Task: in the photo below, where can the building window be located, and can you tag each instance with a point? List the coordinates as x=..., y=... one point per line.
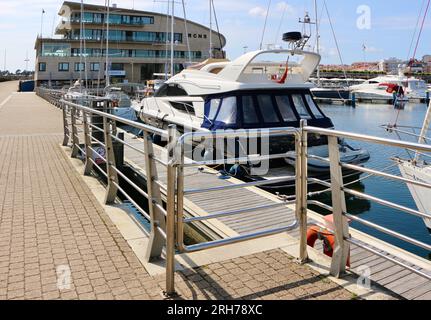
x=95, y=66
x=63, y=66
x=42, y=66
x=117, y=66
x=79, y=66
x=55, y=50
x=148, y=20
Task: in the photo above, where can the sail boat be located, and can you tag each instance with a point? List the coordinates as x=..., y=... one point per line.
x=78, y=93
x=419, y=170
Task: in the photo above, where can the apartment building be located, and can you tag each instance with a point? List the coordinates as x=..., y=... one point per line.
x=138, y=45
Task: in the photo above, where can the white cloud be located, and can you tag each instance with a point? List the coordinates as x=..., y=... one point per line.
x=281, y=6
x=257, y=12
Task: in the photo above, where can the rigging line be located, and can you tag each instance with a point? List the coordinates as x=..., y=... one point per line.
x=81, y=35
x=187, y=33
x=420, y=30
x=101, y=59
x=335, y=39
x=416, y=29
x=166, y=40
x=280, y=24
x=218, y=30
x=264, y=25
x=319, y=22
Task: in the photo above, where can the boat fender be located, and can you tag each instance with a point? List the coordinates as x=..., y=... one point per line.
x=328, y=238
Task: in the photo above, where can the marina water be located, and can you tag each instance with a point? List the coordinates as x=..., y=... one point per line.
x=366, y=119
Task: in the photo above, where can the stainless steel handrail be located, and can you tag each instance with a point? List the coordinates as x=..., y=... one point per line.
x=134, y=124
x=368, y=138
x=342, y=189
x=180, y=162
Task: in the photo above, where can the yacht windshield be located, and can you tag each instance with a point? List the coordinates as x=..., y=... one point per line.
x=214, y=104
x=262, y=109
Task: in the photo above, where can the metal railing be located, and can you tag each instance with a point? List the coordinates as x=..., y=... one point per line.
x=88, y=130
x=92, y=133
x=338, y=190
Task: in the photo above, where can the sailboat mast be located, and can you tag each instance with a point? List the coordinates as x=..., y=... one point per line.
x=172, y=38
x=107, y=46
x=317, y=40
x=81, y=36
x=211, y=28
x=187, y=33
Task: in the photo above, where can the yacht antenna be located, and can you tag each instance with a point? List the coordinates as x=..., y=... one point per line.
x=306, y=21
x=264, y=25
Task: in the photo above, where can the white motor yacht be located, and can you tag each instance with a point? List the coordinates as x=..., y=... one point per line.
x=246, y=93
x=384, y=87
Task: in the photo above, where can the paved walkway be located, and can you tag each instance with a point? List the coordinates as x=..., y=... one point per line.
x=52, y=230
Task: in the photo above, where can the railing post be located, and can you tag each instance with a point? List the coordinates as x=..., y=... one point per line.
x=111, y=191
x=180, y=199
x=66, y=131
x=88, y=151
x=302, y=190
x=341, y=226
x=75, y=140
x=170, y=218
x=156, y=239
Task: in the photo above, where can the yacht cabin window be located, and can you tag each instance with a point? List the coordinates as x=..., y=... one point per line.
x=249, y=111
x=170, y=90
x=267, y=109
x=285, y=108
x=300, y=106
x=313, y=108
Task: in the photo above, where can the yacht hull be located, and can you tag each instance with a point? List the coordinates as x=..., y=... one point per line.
x=421, y=195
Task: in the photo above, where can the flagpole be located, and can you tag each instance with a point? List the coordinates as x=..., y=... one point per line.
x=41, y=23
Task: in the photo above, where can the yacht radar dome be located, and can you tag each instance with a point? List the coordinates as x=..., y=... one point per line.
x=295, y=39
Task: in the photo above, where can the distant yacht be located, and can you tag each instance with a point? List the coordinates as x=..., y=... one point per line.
x=384, y=87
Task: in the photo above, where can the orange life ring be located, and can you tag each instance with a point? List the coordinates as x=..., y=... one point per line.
x=328, y=238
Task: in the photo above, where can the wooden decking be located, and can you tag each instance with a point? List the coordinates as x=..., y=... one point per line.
x=387, y=274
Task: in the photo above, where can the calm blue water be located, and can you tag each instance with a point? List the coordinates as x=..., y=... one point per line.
x=366, y=118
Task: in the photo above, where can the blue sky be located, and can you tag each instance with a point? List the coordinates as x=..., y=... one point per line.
x=241, y=21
